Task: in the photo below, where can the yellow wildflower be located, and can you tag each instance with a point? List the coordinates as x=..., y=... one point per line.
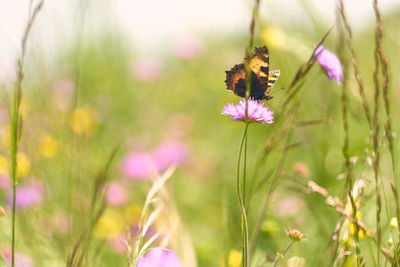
x=352, y=230
x=5, y=135
x=274, y=37
x=3, y=165
x=109, y=225
x=393, y=223
x=83, y=120
x=132, y=214
x=48, y=146
x=234, y=258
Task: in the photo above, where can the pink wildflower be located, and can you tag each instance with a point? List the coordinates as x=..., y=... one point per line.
x=142, y=165
x=188, y=47
x=330, y=63
x=147, y=69
x=28, y=195
x=159, y=257
x=20, y=259
x=116, y=194
x=257, y=112
x=169, y=153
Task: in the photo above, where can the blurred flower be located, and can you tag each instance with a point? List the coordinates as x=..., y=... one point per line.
x=159, y=257
x=141, y=165
x=330, y=63
x=301, y=169
x=4, y=116
x=132, y=214
x=274, y=37
x=28, y=195
x=257, y=112
x=83, y=120
x=109, y=225
x=2, y=211
x=390, y=240
x=234, y=258
x=147, y=69
x=138, y=165
x=48, y=146
x=289, y=206
x=5, y=182
x=393, y=223
x=296, y=261
x=188, y=47
x=116, y=194
x=295, y=235
x=20, y=259
x=63, y=92
x=60, y=222
x=24, y=165
x=169, y=153
x=5, y=135
x=118, y=244
x=3, y=165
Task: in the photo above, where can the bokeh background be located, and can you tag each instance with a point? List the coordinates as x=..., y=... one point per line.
x=148, y=77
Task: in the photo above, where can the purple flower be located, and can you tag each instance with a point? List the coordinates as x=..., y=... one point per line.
x=28, y=195
x=256, y=111
x=159, y=257
x=330, y=63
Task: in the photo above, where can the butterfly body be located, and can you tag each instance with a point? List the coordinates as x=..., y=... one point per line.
x=262, y=80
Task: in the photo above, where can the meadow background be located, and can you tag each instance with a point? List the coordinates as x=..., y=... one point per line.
x=147, y=80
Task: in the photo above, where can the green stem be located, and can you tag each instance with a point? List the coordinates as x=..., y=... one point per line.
x=245, y=229
x=244, y=170
x=282, y=253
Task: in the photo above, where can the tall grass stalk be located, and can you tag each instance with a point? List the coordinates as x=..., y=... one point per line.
x=345, y=149
x=349, y=42
x=16, y=118
x=382, y=62
x=375, y=121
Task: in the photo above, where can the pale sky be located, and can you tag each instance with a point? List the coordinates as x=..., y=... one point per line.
x=152, y=24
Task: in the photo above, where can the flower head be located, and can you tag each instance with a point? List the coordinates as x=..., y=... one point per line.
x=20, y=259
x=295, y=235
x=28, y=195
x=168, y=153
x=256, y=111
x=159, y=257
x=139, y=165
x=330, y=63
x=116, y=194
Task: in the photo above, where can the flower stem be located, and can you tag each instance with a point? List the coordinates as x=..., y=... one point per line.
x=245, y=229
x=282, y=254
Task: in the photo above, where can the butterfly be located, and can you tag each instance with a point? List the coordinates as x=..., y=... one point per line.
x=262, y=80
